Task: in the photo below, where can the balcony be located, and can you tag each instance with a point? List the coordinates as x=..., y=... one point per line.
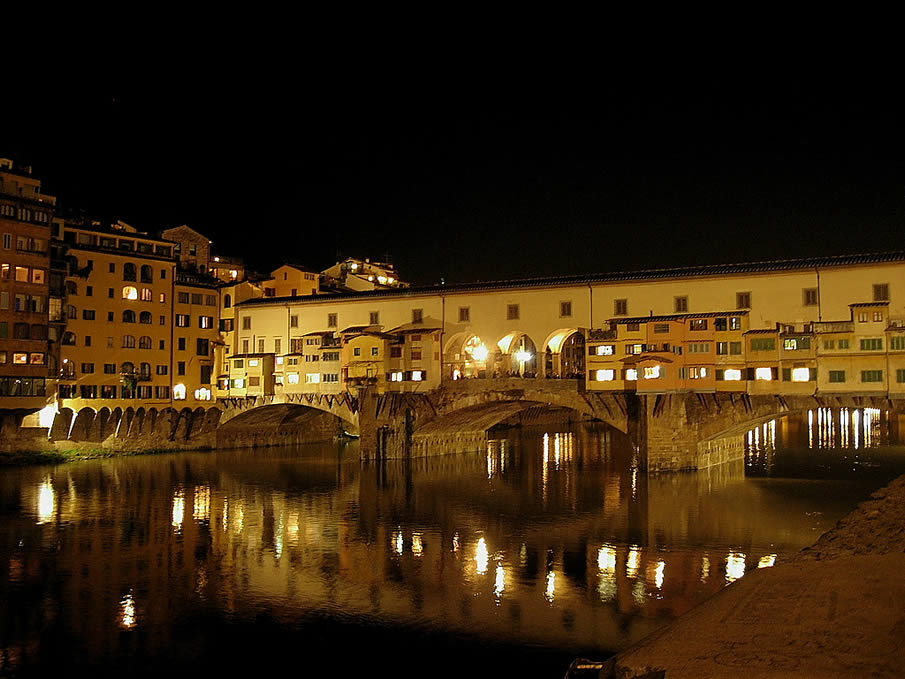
x=834, y=326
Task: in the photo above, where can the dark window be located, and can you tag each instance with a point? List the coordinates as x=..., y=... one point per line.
x=881, y=292
x=202, y=347
x=464, y=314
x=681, y=304
x=743, y=300
x=620, y=307
x=180, y=368
x=512, y=312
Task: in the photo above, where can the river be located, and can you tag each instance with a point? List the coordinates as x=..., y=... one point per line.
x=553, y=544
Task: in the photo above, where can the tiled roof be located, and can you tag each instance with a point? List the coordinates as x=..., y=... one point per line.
x=861, y=304
x=609, y=277
x=678, y=317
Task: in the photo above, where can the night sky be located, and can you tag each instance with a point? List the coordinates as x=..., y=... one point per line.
x=479, y=178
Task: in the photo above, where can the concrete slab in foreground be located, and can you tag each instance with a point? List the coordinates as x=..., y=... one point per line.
x=838, y=618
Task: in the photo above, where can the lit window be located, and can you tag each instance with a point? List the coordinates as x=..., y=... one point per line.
x=253, y=363
x=765, y=374
x=312, y=378
x=605, y=350
x=396, y=376
x=732, y=375
x=652, y=372
x=203, y=394
x=605, y=375
x=631, y=375
x=279, y=360
x=293, y=378
x=130, y=292
x=179, y=392
x=801, y=374
x=417, y=375
x=790, y=344
x=21, y=358
x=239, y=383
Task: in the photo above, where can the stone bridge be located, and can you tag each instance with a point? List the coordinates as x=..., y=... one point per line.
x=669, y=431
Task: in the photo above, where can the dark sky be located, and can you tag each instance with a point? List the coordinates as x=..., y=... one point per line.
x=469, y=176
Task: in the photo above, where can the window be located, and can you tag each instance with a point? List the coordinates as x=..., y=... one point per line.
x=147, y=275
x=356, y=351
x=312, y=378
x=862, y=317
x=735, y=348
x=809, y=296
x=180, y=343
x=226, y=325
x=196, y=298
x=681, y=304
x=147, y=295
x=277, y=345
x=180, y=368
x=246, y=322
x=763, y=344
x=743, y=300
x=396, y=351
x=464, y=314
x=796, y=343
x=661, y=328
x=129, y=273
x=416, y=353
x=697, y=324
x=722, y=348
x=178, y=392
x=375, y=351
x=374, y=318
x=735, y=323
x=331, y=356
x=837, y=376
x=202, y=347
x=719, y=324
x=871, y=375
x=604, y=350
x=843, y=344
x=565, y=309
x=763, y=374
x=144, y=342
x=130, y=292
x=881, y=292
x=729, y=375
x=417, y=315
x=227, y=301
x=87, y=368
x=145, y=317
x=331, y=320
x=693, y=373
x=897, y=342
x=631, y=374
x=128, y=342
x=206, y=322
x=633, y=327
x=161, y=392
x=620, y=307
x=418, y=375
x=162, y=369
x=88, y=314
x=900, y=376
x=699, y=348
x=654, y=372
x=87, y=340
x=872, y=344
x=182, y=320
x=182, y=297
x=88, y=391
x=260, y=346
x=603, y=375
x=512, y=312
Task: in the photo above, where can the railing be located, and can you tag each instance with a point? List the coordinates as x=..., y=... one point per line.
x=834, y=326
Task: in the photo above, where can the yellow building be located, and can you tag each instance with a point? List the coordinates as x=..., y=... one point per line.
x=195, y=336
x=291, y=280
x=26, y=353
x=117, y=347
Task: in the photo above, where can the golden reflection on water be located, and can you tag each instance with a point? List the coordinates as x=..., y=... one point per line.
x=579, y=541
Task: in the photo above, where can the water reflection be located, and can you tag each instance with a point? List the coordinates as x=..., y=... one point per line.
x=553, y=538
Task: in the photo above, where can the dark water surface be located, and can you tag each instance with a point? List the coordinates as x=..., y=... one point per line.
x=551, y=545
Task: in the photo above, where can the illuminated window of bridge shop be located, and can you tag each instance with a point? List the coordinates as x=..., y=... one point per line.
x=604, y=350
x=653, y=372
x=292, y=378
x=179, y=392
x=604, y=375
x=763, y=374
x=631, y=375
x=312, y=378
x=396, y=376
x=730, y=374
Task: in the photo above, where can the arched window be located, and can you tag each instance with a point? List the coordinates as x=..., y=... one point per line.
x=69, y=338
x=72, y=288
x=227, y=301
x=128, y=316
x=179, y=392
x=145, y=317
x=147, y=274
x=128, y=341
x=144, y=342
x=144, y=372
x=130, y=292
x=71, y=312
x=128, y=271
x=127, y=368
x=147, y=295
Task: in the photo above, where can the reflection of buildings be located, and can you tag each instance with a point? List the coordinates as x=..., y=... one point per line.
x=547, y=538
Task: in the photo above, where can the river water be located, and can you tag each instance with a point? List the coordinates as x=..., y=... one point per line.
x=552, y=544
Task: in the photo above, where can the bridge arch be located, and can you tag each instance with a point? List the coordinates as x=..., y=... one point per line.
x=465, y=355
x=279, y=424
x=517, y=355
x=564, y=353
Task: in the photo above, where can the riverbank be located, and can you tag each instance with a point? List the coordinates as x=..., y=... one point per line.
x=836, y=610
